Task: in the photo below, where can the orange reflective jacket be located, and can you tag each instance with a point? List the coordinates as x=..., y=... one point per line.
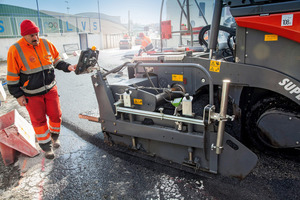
x=30, y=69
x=146, y=44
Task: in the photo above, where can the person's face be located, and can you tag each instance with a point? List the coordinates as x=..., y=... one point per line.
x=32, y=38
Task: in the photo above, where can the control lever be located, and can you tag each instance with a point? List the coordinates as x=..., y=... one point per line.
x=87, y=60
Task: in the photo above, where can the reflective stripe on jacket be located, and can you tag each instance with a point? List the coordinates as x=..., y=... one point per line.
x=146, y=44
x=30, y=69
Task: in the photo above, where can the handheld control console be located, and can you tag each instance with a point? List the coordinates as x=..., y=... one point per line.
x=87, y=60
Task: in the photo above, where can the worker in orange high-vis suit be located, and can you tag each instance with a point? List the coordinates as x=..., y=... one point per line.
x=146, y=44
x=31, y=80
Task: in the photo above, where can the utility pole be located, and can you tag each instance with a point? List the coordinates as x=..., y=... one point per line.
x=129, y=24
x=39, y=18
x=99, y=17
x=67, y=6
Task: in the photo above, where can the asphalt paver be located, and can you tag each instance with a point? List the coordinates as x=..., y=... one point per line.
x=86, y=168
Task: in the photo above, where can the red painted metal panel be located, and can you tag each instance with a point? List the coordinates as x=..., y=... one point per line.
x=284, y=24
x=166, y=29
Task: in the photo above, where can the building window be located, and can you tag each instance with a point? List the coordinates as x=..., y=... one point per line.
x=201, y=5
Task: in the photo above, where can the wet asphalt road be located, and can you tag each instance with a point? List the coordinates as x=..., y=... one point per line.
x=86, y=168
x=84, y=171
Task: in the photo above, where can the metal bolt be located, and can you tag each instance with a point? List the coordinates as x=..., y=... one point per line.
x=212, y=147
x=96, y=84
x=203, y=80
x=246, y=55
x=297, y=142
x=247, y=32
x=290, y=118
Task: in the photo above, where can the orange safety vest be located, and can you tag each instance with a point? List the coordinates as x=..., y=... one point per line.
x=30, y=69
x=146, y=44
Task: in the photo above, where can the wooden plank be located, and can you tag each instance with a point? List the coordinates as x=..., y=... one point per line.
x=90, y=115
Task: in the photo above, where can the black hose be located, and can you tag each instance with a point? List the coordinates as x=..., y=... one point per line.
x=202, y=41
x=116, y=69
x=149, y=79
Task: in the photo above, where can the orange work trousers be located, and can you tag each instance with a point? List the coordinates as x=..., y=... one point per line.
x=41, y=106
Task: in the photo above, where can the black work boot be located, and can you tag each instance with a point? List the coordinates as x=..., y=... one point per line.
x=47, y=148
x=55, y=140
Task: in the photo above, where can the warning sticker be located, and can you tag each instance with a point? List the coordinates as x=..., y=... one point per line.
x=177, y=77
x=138, y=101
x=215, y=66
x=271, y=37
x=287, y=20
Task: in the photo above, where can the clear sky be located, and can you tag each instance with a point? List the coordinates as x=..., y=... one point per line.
x=141, y=11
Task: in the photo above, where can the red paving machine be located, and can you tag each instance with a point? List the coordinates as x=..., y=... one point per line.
x=204, y=110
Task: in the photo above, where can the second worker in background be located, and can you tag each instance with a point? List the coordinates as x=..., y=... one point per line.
x=146, y=44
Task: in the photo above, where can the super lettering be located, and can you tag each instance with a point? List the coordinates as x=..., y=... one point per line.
x=291, y=87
